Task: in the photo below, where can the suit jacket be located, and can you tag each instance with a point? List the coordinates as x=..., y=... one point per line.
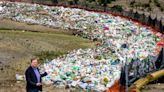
x=31, y=79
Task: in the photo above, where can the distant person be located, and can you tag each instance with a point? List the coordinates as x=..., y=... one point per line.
x=33, y=77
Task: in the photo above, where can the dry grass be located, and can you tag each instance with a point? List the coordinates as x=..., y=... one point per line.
x=141, y=5
x=18, y=46
x=8, y=24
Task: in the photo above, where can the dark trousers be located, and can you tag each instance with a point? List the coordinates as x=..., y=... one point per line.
x=33, y=90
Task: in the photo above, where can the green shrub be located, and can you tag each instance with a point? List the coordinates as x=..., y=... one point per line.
x=132, y=3
x=98, y=57
x=146, y=5
x=48, y=55
x=117, y=8
x=156, y=2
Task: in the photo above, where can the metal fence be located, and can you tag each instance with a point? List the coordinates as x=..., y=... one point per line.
x=137, y=69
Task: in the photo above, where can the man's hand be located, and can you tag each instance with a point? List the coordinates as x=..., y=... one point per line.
x=38, y=84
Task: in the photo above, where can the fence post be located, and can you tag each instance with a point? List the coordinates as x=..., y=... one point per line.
x=162, y=64
x=133, y=13
x=126, y=75
x=157, y=24
x=160, y=24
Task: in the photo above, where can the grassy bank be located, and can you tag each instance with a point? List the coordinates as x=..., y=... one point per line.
x=18, y=46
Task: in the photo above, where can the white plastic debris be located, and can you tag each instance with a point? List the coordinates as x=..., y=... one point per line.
x=97, y=68
x=19, y=77
x=1, y=8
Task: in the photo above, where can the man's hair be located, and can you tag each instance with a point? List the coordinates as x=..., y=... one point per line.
x=35, y=58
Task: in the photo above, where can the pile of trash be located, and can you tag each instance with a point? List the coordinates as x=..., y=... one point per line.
x=98, y=68
x=81, y=69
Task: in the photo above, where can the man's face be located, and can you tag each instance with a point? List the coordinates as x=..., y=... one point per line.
x=34, y=63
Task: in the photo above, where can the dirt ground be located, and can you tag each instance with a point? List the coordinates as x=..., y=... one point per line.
x=159, y=87
x=20, y=86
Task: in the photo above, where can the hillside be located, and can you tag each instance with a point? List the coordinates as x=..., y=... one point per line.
x=18, y=46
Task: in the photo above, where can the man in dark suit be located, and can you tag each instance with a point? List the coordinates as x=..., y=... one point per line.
x=33, y=77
